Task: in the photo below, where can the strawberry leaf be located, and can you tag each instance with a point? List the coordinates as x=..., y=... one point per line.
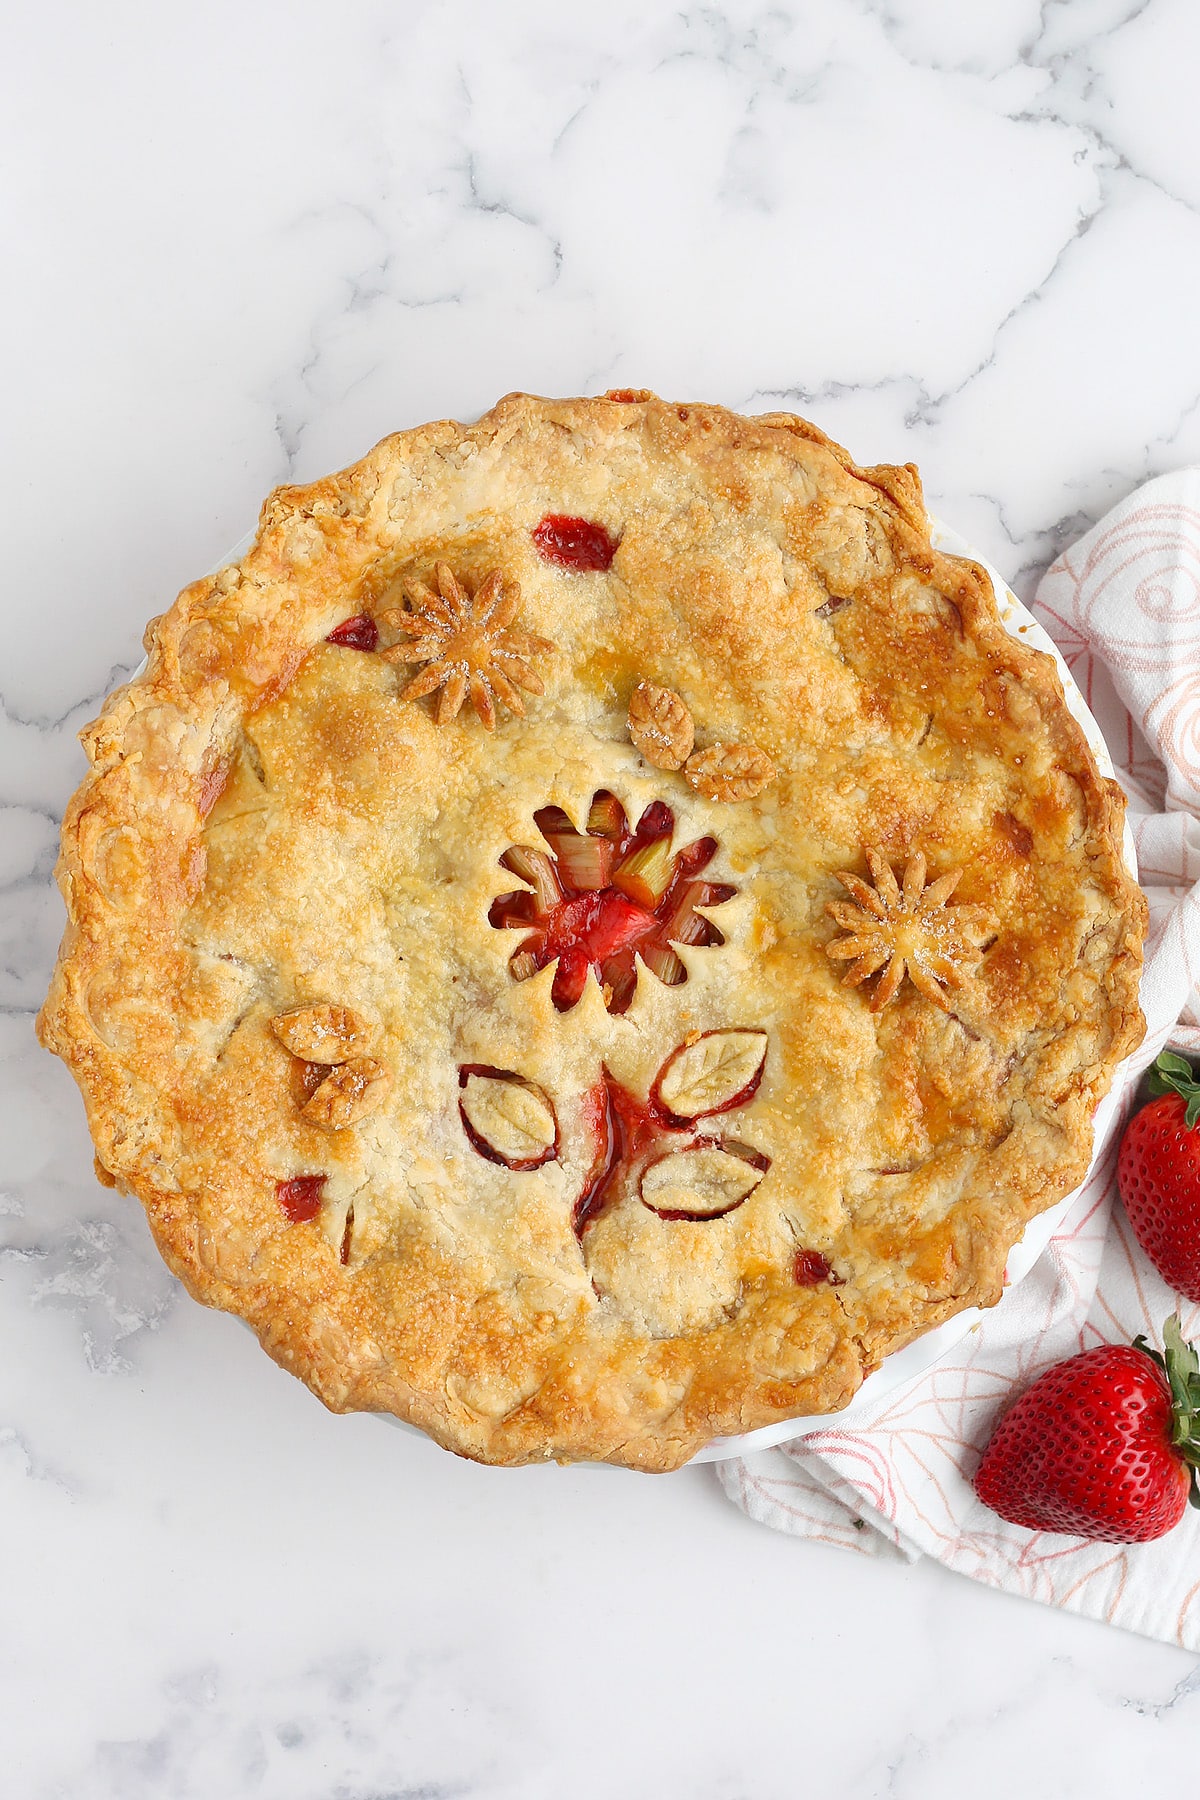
x=1182, y=1368
x=1172, y=1074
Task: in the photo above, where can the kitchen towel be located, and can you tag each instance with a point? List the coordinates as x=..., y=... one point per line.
x=1124, y=608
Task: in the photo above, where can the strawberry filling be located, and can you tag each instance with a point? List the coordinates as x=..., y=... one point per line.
x=602, y=897
x=300, y=1198
x=810, y=1268
x=624, y=1129
x=574, y=543
x=358, y=633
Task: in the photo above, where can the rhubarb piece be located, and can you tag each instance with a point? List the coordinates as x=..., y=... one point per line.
x=574, y=543
x=606, y=817
x=536, y=867
x=704, y=1181
x=554, y=824
x=584, y=863
x=662, y=961
x=300, y=1197
x=358, y=633
x=660, y=726
x=618, y=980
x=711, y=1074
x=683, y=924
x=323, y=1033
x=348, y=1094
x=506, y=1118
x=522, y=964
x=645, y=874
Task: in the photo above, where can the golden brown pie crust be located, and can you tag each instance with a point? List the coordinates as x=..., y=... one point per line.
x=267, y=826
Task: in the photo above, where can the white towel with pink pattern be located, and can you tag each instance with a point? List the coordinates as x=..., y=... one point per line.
x=1124, y=607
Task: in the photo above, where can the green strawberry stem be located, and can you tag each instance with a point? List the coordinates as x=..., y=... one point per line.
x=1172, y=1074
x=1181, y=1366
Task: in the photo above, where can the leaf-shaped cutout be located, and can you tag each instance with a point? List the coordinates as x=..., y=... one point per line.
x=712, y=1074
x=323, y=1034
x=507, y=1119
x=349, y=1092
x=704, y=1181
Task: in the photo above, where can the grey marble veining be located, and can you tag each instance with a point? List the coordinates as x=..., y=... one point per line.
x=244, y=242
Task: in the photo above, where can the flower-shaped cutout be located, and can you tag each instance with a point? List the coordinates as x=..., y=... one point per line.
x=598, y=899
x=895, y=929
x=468, y=644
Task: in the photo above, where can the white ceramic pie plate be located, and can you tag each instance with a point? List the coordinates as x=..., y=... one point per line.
x=921, y=1355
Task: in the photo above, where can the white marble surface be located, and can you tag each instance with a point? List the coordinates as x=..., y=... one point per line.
x=243, y=241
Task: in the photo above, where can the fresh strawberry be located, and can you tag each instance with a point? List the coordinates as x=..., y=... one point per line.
x=1104, y=1445
x=1158, y=1174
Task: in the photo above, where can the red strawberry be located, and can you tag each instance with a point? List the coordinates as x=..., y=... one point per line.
x=1104, y=1445
x=1158, y=1174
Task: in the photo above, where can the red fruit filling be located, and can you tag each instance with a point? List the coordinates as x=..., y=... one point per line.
x=574, y=543
x=624, y=1129
x=630, y=1136
x=601, y=897
x=300, y=1197
x=358, y=633
x=810, y=1268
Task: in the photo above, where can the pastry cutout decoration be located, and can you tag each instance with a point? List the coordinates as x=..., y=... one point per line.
x=660, y=726
x=357, y=633
x=468, y=644
x=729, y=771
x=600, y=898
x=507, y=1119
x=342, y=1085
x=892, y=930
x=653, y=1147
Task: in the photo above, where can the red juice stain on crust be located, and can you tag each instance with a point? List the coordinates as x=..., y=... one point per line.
x=358, y=633
x=300, y=1198
x=574, y=543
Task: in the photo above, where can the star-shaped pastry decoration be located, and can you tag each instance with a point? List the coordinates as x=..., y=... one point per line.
x=468, y=644
x=906, y=929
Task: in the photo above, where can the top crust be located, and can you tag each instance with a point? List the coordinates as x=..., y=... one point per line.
x=267, y=826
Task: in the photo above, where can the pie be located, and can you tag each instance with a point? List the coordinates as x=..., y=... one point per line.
x=591, y=934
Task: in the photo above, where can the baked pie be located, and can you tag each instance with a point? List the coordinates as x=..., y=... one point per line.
x=591, y=934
